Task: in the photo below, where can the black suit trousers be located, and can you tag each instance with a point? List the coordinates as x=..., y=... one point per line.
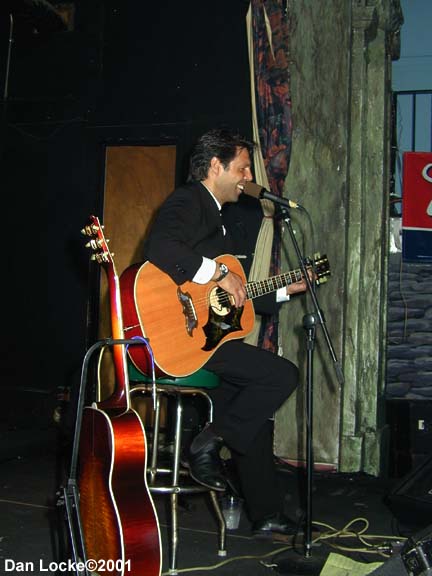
x=254, y=383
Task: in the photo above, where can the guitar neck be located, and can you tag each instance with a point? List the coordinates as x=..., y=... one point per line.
x=119, y=399
x=261, y=287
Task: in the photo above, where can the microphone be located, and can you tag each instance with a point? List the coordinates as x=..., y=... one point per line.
x=252, y=189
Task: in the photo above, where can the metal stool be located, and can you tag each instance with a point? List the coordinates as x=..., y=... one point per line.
x=179, y=480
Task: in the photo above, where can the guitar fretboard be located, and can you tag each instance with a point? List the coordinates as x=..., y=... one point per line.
x=261, y=287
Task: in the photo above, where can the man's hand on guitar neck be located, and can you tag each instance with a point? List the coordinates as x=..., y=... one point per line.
x=233, y=284
x=300, y=286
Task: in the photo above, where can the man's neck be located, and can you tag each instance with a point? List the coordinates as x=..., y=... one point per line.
x=206, y=185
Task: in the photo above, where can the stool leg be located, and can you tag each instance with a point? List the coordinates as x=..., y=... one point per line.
x=175, y=484
x=155, y=443
x=222, y=524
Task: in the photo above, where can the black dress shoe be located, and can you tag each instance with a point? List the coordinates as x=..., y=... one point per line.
x=277, y=523
x=204, y=463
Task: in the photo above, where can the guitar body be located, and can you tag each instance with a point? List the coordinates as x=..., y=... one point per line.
x=119, y=522
x=184, y=324
x=133, y=328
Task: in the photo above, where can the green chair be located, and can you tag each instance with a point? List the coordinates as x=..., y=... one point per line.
x=173, y=478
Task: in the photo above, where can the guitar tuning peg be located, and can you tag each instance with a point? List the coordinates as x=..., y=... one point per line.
x=86, y=231
x=91, y=244
x=93, y=257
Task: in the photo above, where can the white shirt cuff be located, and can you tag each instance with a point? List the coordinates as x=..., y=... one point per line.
x=281, y=295
x=205, y=272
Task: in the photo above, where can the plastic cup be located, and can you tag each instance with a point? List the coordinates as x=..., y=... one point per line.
x=231, y=510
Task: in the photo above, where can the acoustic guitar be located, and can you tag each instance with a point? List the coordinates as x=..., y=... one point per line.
x=119, y=522
x=186, y=324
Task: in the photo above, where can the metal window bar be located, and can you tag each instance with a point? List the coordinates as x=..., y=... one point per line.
x=414, y=94
x=411, y=124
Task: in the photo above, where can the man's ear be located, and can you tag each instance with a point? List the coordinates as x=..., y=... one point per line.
x=215, y=166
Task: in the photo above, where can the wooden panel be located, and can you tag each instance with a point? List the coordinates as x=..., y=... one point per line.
x=137, y=180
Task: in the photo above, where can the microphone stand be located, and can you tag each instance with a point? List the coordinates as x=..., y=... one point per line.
x=307, y=564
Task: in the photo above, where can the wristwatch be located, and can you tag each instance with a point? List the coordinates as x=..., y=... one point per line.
x=223, y=269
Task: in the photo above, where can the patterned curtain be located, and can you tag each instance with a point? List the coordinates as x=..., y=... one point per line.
x=272, y=116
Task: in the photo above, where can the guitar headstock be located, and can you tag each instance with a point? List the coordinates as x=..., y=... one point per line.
x=98, y=243
x=321, y=268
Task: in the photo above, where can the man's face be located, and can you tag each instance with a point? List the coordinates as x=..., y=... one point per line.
x=230, y=181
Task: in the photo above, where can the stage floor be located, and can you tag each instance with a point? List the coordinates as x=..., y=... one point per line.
x=33, y=527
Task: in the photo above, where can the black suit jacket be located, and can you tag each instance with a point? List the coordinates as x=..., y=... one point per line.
x=187, y=227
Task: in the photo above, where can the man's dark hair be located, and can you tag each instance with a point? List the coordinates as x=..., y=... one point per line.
x=220, y=143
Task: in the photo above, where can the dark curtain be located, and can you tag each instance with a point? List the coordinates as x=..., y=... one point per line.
x=273, y=110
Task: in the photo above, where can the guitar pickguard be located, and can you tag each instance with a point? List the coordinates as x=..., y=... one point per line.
x=223, y=318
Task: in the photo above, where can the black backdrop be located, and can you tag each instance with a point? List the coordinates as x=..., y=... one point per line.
x=128, y=71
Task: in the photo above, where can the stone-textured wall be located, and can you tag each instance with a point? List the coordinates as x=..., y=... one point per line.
x=409, y=330
x=340, y=80
x=317, y=178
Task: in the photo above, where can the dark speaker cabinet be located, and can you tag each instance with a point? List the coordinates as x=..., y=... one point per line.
x=410, y=425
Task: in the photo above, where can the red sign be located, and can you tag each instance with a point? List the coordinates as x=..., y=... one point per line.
x=417, y=191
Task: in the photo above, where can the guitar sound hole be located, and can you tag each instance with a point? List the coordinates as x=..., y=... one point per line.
x=220, y=302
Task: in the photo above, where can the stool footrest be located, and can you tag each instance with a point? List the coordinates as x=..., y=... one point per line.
x=178, y=489
x=167, y=389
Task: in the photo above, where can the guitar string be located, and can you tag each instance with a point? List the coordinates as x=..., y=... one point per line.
x=254, y=291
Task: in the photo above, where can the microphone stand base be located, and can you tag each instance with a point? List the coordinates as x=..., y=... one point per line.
x=294, y=562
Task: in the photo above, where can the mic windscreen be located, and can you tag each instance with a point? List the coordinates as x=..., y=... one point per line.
x=252, y=189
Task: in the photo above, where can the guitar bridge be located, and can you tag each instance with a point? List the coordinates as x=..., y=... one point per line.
x=191, y=320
